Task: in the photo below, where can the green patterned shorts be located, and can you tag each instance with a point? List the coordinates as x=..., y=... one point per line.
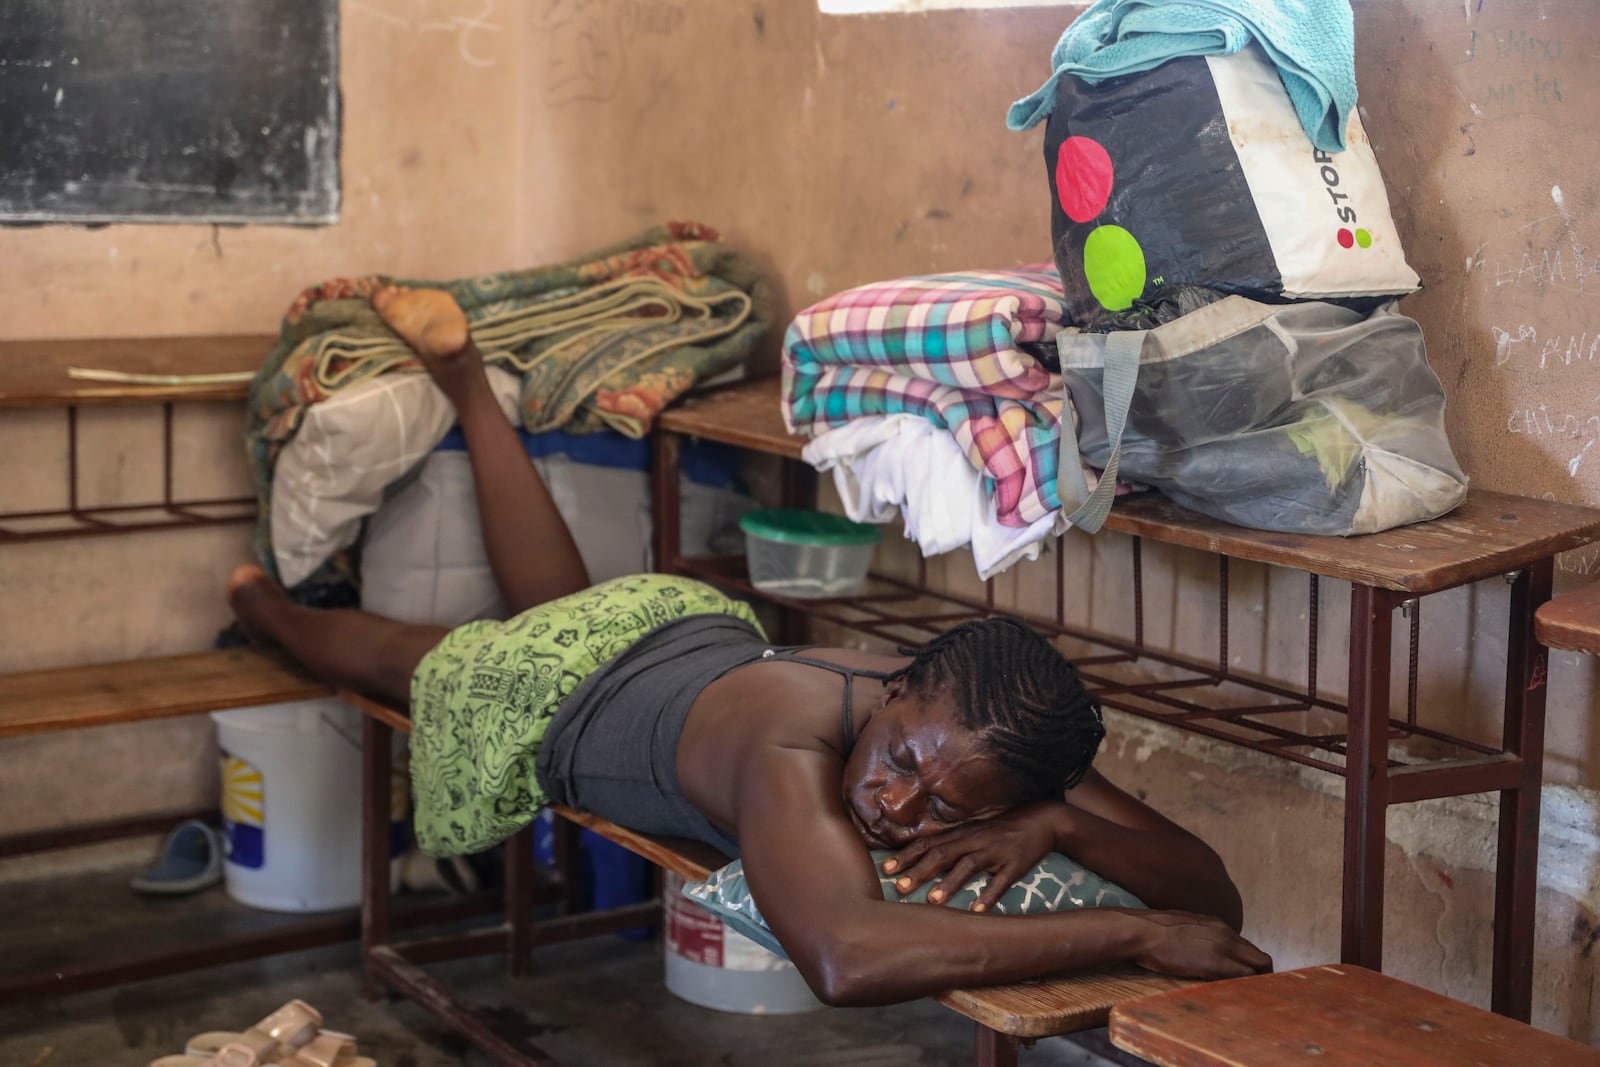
x=482, y=699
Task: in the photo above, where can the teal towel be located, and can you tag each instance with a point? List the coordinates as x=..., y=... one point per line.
x=1312, y=42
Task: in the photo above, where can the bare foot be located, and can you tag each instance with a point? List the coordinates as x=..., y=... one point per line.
x=253, y=594
x=429, y=320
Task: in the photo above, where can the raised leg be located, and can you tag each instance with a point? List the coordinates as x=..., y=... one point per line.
x=1366, y=797
x=1516, y=871
x=530, y=549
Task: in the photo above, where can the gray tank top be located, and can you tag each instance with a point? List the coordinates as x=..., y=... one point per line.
x=612, y=747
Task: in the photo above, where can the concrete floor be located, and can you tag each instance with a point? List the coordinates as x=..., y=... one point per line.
x=599, y=1002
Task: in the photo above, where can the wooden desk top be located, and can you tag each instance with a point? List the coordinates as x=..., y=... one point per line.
x=1332, y=1016
x=1489, y=534
x=1066, y=1004
x=1571, y=620
x=746, y=415
x=33, y=374
x=67, y=698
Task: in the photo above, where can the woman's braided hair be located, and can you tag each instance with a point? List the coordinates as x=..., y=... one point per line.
x=1019, y=694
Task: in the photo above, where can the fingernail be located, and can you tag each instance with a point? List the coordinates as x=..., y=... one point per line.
x=980, y=907
x=903, y=884
x=936, y=896
x=889, y=866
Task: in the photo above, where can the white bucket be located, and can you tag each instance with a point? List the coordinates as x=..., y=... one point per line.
x=716, y=967
x=291, y=804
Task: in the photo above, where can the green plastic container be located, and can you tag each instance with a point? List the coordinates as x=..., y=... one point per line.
x=807, y=554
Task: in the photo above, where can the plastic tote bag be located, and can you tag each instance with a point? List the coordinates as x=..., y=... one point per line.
x=1308, y=418
x=1198, y=172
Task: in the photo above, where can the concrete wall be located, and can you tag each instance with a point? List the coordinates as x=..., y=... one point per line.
x=843, y=150
x=851, y=149
x=431, y=159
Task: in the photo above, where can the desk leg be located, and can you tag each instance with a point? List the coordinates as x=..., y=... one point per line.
x=519, y=903
x=797, y=488
x=665, y=506
x=1366, y=779
x=376, y=754
x=1516, y=873
x=568, y=847
x=991, y=1048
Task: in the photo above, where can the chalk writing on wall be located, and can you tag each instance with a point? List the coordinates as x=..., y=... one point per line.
x=586, y=43
x=474, y=31
x=468, y=30
x=1519, y=69
x=1543, y=266
x=1522, y=346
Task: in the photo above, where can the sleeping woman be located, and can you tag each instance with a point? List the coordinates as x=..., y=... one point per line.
x=657, y=703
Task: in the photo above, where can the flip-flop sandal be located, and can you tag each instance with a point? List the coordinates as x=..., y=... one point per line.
x=190, y=860
x=290, y=1026
x=226, y=1056
x=328, y=1049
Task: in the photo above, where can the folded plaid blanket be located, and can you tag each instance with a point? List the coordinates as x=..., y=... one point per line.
x=606, y=340
x=950, y=348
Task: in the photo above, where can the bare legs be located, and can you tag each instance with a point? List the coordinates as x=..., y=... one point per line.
x=348, y=648
x=530, y=549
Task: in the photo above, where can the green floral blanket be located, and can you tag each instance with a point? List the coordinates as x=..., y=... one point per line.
x=606, y=340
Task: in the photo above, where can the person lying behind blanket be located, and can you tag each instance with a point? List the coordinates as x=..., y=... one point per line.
x=656, y=703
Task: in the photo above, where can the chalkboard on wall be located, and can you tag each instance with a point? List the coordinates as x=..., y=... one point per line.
x=169, y=110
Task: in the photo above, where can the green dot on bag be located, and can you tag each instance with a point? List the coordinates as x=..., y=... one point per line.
x=1113, y=265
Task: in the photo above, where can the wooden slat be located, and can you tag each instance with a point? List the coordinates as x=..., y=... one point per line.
x=34, y=373
x=1333, y=1016
x=1571, y=620
x=104, y=694
x=1064, y=1004
x=1489, y=534
x=689, y=859
x=746, y=415
x=390, y=717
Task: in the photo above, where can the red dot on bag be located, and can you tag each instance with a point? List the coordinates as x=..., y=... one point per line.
x=1083, y=178
x=1346, y=238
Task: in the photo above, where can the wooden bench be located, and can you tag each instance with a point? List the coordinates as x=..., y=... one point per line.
x=1571, y=621
x=144, y=690
x=1490, y=536
x=34, y=375
x=1331, y=1016
x=1004, y=1016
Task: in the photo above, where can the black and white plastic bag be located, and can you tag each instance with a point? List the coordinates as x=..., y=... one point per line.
x=1198, y=172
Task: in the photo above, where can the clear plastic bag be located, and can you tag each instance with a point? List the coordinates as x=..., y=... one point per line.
x=1307, y=417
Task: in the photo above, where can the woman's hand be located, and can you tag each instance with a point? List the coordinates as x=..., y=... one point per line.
x=1005, y=848
x=1198, y=946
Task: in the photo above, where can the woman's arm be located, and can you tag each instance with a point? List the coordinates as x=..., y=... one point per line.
x=1111, y=833
x=1121, y=838
x=853, y=947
